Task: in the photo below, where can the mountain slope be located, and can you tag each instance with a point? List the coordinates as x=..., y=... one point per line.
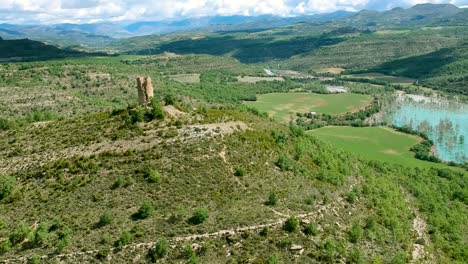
x=25, y=49
x=445, y=69
x=80, y=185
x=418, y=15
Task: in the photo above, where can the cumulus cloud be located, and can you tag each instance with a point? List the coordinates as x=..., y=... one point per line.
x=85, y=11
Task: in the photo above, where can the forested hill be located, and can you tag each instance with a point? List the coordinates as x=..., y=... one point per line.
x=26, y=50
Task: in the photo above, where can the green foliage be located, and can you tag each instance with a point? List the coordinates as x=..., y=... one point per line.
x=5, y=246
x=352, y=196
x=400, y=258
x=157, y=112
x=291, y=224
x=199, y=216
x=356, y=256
x=355, y=233
x=152, y=176
x=145, y=211
x=124, y=239
x=284, y=163
x=105, y=218
x=310, y=230
x=7, y=185
x=21, y=233
x=35, y=260
x=272, y=260
x=239, y=172
x=64, y=236
x=159, y=250
x=272, y=199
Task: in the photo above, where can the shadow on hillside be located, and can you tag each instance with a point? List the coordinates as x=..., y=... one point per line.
x=418, y=66
x=251, y=50
x=20, y=50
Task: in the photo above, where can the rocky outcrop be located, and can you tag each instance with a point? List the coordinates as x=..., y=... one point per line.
x=145, y=90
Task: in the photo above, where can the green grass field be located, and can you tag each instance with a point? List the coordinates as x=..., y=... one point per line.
x=377, y=143
x=280, y=105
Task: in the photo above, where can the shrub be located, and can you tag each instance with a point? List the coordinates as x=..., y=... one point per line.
x=7, y=185
x=157, y=111
x=125, y=239
x=5, y=246
x=105, y=218
x=169, y=99
x=153, y=176
x=64, y=238
x=291, y=224
x=137, y=231
x=35, y=260
x=159, y=251
x=137, y=115
x=21, y=232
x=284, y=163
x=41, y=236
x=272, y=200
x=356, y=256
x=199, y=216
x=310, y=200
x=239, y=172
x=355, y=233
x=272, y=260
x=310, y=230
x=145, y=211
x=399, y=258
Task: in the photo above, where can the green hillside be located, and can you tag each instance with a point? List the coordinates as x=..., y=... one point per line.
x=25, y=49
x=217, y=167
x=445, y=69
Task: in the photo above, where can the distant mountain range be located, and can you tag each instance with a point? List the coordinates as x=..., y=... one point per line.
x=99, y=35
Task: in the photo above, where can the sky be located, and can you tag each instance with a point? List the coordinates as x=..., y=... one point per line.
x=91, y=11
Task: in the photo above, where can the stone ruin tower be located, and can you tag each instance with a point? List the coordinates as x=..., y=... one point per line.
x=145, y=90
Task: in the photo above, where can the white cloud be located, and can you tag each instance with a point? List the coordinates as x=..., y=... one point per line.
x=82, y=11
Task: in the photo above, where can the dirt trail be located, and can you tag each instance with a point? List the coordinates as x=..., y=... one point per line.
x=419, y=253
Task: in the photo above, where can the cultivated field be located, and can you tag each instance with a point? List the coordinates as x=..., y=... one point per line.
x=186, y=78
x=377, y=143
x=281, y=105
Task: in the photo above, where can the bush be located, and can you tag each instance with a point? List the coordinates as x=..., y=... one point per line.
x=199, y=216
x=157, y=112
x=41, y=236
x=7, y=185
x=356, y=256
x=22, y=232
x=239, y=172
x=159, y=251
x=145, y=211
x=125, y=239
x=284, y=163
x=169, y=99
x=272, y=260
x=272, y=200
x=153, y=176
x=291, y=224
x=5, y=246
x=355, y=233
x=64, y=238
x=310, y=230
x=137, y=115
x=105, y=218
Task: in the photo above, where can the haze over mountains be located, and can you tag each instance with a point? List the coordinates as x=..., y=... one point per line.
x=100, y=34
